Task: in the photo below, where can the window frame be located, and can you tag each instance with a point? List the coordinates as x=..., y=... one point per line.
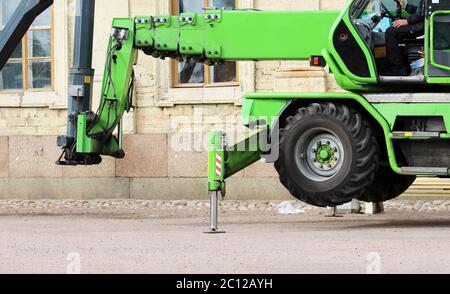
x=25, y=59
x=207, y=69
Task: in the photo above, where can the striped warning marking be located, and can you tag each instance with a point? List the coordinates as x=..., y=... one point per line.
x=218, y=165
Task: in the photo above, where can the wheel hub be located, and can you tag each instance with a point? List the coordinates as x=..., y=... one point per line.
x=321, y=155
x=325, y=156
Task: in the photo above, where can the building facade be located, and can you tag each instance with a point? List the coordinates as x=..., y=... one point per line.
x=176, y=105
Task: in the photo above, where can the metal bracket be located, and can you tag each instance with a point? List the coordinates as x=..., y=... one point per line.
x=187, y=18
x=213, y=16
x=162, y=20
x=76, y=90
x=142, y=36
x=190, y=48
x=213, y=52
x=143, y=20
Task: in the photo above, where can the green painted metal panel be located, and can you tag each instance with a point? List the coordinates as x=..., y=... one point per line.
x=391, y=111
x=267, y=110
x=144, y=24
x=83, y=142
x=166, y=32
x=246, y=152
x=216, y=161
x=192, y=31
x=271, y=35
x=341, y=79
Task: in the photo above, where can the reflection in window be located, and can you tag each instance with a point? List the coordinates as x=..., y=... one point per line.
x=39, y=73
x=29, y=68
x=223, y=4
x=223, y=73
x=442, y=40
x=191, y=72
x=11, y=77
x=196, y=73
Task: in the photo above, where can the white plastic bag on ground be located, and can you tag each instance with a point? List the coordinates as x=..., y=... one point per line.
x=287, y=208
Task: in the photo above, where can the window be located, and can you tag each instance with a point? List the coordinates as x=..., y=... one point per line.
x=378, y=7
x=441, y=41
x=197, y=74
x=30, y=66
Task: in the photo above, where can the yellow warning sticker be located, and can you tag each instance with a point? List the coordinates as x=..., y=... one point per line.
x=87, y=79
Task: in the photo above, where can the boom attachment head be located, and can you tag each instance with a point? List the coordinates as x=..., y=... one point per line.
x=100, y=133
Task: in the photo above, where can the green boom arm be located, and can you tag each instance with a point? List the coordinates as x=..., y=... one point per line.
x=240, y=35
x=212, y=37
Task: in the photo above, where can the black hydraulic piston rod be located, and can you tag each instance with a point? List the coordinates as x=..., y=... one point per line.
x=81, y=74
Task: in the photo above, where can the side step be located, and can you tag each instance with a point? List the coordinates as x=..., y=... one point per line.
x=405, y=79
x=419, y=135
x=426, y=171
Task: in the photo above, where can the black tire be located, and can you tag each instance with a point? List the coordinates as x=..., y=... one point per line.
x=387, y=185
x=359, y=164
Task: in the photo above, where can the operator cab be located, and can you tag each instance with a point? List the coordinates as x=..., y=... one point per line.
x=373, y=20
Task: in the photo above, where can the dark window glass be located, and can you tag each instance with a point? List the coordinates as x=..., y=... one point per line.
x=227, y=71
x=193, y=72
x=442, y=40
x=36, y=58
x=39, y=43
x=39, y=73
x=11, y=77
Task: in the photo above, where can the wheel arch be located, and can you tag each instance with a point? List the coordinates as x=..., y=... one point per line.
x=359, y=103
x=296, y=104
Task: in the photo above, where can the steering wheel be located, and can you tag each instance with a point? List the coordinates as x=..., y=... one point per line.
x=375, y=20
x=387, y=13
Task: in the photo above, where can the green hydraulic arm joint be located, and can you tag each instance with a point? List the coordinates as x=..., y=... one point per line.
x=95, y=130
x=225, y=161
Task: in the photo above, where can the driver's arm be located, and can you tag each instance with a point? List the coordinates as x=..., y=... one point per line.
x=413, y=19
x=417, y=17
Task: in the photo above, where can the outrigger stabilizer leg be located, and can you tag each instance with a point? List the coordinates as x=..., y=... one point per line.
x=224, y=161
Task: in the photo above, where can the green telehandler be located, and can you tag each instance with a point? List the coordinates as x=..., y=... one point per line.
x=369, y=141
